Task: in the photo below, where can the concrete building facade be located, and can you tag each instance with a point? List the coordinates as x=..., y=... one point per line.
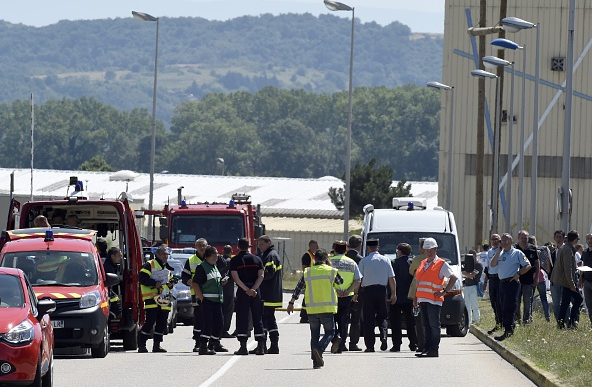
x=460, y=57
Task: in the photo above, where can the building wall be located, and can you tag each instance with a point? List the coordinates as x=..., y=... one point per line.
x=458, y=61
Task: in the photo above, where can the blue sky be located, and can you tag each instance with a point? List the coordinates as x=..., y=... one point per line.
x=419, y=15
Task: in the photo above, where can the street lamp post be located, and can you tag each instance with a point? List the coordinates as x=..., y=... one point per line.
x=441, y=86
x=508, y=44
x=220, y=160
x=494, y=62
x=146, y=17
x=566, y=172
x=495, y=200
x=514, y=24
x=337, y=6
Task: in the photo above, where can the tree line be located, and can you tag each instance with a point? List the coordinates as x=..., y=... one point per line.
x=273, y=132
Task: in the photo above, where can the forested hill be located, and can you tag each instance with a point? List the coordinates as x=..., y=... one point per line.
x=112, y=60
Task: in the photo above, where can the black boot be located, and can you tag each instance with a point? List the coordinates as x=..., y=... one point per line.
x=216, y=346
x=274, y=349
x=156, y=347
x=254, y=351
x=204, y=349
x=260, y=350
x=142, y=338
x=196, y=347
x=243, y=349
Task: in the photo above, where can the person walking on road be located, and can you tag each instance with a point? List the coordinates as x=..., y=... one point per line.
x=321, y=300
x=247, y=272
x=377, y=274
x=429, y=296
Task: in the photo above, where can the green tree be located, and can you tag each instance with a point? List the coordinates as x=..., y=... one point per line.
x=97, y=163
x=369, y=185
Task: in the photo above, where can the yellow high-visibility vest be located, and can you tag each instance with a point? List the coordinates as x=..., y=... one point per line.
x=319, y=295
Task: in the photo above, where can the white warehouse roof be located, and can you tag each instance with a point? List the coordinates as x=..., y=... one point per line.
x=306, y=198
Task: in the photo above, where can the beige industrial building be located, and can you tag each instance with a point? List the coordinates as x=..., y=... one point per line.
x=460, y=57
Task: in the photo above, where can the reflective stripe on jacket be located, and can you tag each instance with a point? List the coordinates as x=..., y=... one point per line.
x=149, y=292
x=194, y=262
x=319, y=295
x=429, y=281
x=347, y=269
x=212, y=288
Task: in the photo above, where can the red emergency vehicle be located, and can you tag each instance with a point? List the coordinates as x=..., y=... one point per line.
x=113, y=220
x=219, y=223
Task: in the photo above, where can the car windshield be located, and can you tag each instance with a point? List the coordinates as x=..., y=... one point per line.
x=11, y=292
x=390, y=240
x=216, y=229
x=51, y=268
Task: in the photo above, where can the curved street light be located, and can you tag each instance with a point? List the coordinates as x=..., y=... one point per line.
x=510, y=45
x=337, y=6
x=512, y=25
x=441, y=86
x=494, y=202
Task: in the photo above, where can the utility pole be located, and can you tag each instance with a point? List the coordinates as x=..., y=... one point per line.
x=480, y=133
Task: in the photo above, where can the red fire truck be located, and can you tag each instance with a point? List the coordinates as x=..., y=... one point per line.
x=219, y=223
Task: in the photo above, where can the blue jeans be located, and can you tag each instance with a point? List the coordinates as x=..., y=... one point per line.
x=430, y=319
x=315, y=321
x=542, y=288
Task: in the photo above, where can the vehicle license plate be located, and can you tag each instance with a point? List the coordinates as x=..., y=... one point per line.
x=57, y=323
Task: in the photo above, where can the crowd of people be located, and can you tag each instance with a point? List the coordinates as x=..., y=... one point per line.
x=514, y=271
x=350, y=295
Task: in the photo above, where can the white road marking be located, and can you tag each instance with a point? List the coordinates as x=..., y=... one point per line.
x=222, y=370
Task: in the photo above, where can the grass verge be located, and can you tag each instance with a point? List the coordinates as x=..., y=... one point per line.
x=565, y=353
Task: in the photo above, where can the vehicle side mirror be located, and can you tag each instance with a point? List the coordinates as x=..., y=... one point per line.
x=45, y=306
x=111, y=280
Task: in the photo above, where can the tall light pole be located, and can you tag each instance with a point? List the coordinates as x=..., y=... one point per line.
x=508, y=44
x=220, y=160
x=494, y=62
x=337, y=6
x=514, y=24
x=441, y=86
x=495, y=199
x=146, y=17
x=566, y=172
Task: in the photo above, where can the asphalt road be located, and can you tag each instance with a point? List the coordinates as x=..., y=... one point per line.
x=462, y=362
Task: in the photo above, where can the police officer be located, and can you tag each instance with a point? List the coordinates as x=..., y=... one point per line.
x=271, y=291
x=186, y=278
x=154, y=277
x=247, y=272
x=377, y=273
x=512, y=264
x=349, y=271
x=492, y=278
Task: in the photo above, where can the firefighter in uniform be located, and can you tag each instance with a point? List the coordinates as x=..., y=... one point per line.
x=186, y=278
x=247, y=271
x=348, y=269
x=321, y=300
x=208, y=285
x=271, y=291
x=152, y=279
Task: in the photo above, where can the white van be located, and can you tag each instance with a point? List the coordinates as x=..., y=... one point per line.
x=406, y=222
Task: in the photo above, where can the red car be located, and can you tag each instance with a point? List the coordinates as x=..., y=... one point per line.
x=26, y=334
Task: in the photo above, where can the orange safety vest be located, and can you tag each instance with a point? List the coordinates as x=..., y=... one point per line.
x=429, y=281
